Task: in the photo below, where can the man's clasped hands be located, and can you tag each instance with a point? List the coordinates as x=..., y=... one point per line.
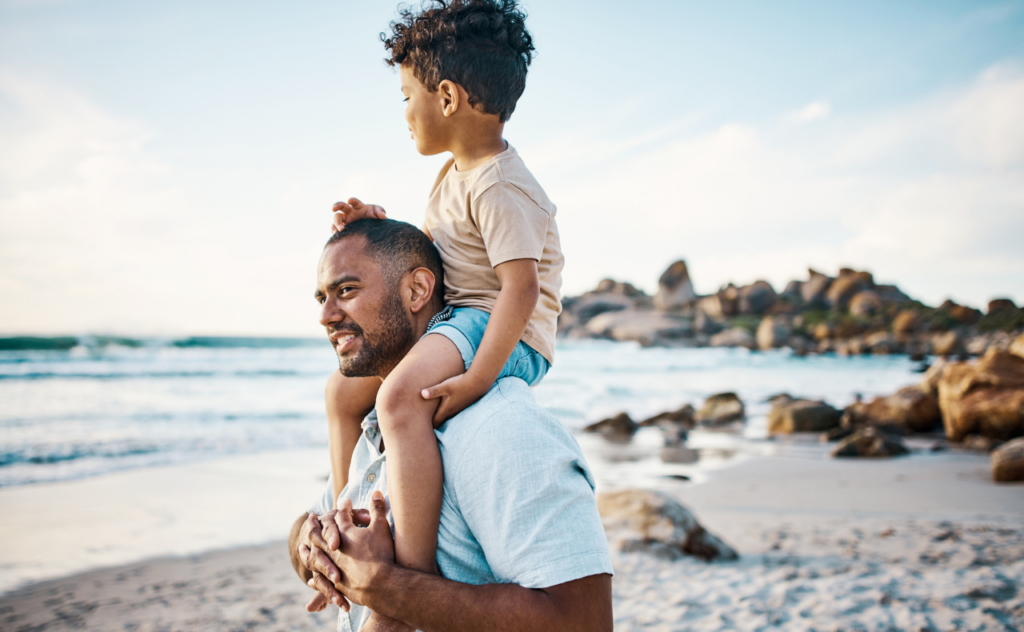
x=345, y=551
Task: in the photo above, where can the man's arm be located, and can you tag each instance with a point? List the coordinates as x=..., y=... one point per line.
x=431, y=603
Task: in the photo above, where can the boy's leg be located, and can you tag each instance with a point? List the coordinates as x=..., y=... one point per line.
x=348, y=400
x=415, y=476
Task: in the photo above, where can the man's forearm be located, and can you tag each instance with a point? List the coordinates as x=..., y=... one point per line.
x=434, y=604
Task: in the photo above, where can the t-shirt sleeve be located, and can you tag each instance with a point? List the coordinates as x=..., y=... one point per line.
x=530, y=505
x=511, y=224
x=325, y=502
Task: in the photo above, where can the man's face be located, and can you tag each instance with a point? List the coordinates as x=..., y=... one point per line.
x=424, y=114
x=362, y=311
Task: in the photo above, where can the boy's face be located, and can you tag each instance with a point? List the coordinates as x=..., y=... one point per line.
x=424, y=112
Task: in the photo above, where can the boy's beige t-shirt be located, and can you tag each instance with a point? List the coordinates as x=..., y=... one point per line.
x=488, y=215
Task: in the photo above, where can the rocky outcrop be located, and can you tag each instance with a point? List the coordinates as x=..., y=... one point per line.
x=1008, y=462
x=648, y=327
x=618, y=429
x=790, y=415
x=674, y=287
x=1000, y=305
x=735, y=337
x=872, y=443
x=772, y=333
x=984, y=398
x=814, y=289
x=653, y=522
x=865, y=303
x=721, y=409
x=1017, y=346
x=906, y=322
x=846, y=285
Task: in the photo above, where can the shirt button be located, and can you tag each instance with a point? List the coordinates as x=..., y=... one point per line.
x=371, y=477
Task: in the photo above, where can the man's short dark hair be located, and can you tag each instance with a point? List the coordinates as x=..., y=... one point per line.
x=482, y=45
x=397, y=247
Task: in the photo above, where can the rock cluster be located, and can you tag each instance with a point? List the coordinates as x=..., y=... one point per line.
x=848, y=314
x=644, y=520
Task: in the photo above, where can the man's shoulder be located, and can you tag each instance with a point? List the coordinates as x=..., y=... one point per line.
x=506, y=415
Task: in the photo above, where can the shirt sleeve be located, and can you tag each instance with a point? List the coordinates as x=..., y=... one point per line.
x=511, y=224
x=325, y=502
x=528, y=497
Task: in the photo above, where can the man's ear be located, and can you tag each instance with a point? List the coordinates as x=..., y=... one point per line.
x=449, y=97
x=420, y=288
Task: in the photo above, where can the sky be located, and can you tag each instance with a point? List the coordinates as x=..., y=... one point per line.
x=168, y=168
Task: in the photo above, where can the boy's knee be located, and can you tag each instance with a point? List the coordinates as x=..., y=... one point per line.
x=396, y=399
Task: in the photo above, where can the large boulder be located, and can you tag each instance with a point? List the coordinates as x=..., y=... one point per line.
x=847, y=284
x=757, y=298
x=865, y=303
x=909, y=410
x=721, y=409
x=906, y=322
x=1000, y=304
x=772, y=333
x=793, y=293
x=960, y=313
x=814, y=289
x=870, y=442
x=646, y=326
x=947, y=344
x=1008, y=461
x=644, y=520
x=618, y=429
x=1017, y=346
x=611, y=286
x=801, y=415
x=735, y=337
x=985, y=398
x=674, y=287
x=675, y=425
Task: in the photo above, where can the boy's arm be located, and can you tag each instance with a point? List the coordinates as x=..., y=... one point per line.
x=520, y=291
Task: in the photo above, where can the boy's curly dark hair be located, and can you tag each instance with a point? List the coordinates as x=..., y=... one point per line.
x=482, y=45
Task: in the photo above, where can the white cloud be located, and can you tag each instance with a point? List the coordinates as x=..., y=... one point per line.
x=928, y=196
x=812, y=112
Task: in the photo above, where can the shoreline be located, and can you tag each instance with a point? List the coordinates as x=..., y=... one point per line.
x=810, y=532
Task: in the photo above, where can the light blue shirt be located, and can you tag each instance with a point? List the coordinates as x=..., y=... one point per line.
x=518, y=503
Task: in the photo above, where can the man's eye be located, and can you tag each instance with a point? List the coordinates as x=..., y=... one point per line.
x=405, y=100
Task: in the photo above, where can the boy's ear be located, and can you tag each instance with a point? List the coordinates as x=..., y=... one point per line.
x=449, y=97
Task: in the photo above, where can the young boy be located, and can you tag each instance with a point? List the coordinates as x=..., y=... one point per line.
x=463, y=68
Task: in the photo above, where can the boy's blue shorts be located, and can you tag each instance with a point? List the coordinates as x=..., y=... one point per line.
x=465, y=327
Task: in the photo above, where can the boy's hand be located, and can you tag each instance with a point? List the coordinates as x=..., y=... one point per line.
x=354, y=210
x=456, y=394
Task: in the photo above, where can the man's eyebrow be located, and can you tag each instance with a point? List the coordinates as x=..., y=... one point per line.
x=335, y=284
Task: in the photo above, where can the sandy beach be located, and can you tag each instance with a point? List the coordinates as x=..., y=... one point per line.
x=926, y=542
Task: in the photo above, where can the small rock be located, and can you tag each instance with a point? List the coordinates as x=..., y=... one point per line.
x=913, y=409
x=619, y=428
x=1008, y=461
x=813, y=290
x=870, y=442
x=801, y=415
x=978, y=443
x=735, y=337
x=649, y=521
x=721, y=409
x=906, y=322
x=846, y=285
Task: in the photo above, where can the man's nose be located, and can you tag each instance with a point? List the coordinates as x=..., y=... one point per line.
x=330, y=313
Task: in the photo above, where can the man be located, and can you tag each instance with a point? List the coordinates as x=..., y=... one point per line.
x=520, y=542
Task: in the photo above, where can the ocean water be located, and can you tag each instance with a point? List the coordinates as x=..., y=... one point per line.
x=72, y=408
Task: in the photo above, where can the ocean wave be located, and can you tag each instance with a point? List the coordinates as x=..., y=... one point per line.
x=67, y=343
x=49, y=375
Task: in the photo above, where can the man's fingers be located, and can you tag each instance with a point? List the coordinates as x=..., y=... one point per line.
x=380, y=510
x=319, y=583
x=317, y=603
x=355, y=203
x=317, y=561
x=330, y=532
x=344, y=515
x=361, y=517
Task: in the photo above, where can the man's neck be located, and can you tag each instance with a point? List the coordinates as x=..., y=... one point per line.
x=420, y=322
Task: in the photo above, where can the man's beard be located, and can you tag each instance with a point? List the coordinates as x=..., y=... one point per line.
x=392, y=339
